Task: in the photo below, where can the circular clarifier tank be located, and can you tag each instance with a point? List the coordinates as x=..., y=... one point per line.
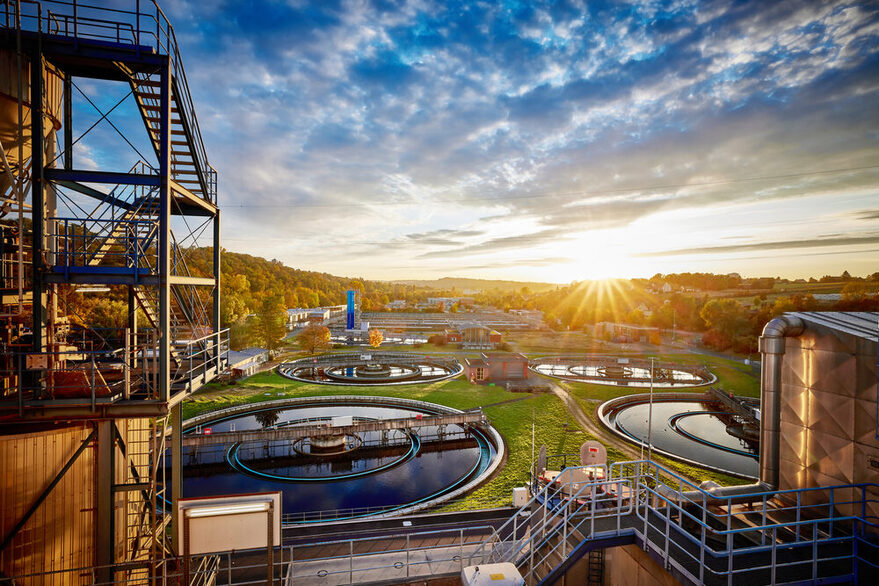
x=346, y=475
x=623, y=372
x=688, y=430
x=374, y=369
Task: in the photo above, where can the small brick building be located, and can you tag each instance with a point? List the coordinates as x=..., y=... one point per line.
x=496, y=367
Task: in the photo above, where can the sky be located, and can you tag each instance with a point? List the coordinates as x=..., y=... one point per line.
x=540, y=141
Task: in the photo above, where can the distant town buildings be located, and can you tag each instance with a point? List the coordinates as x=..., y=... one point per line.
x=246, y=362
x=626, y=333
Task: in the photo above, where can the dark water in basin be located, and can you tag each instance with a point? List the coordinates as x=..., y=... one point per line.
x=633, y=421
x=388, y=476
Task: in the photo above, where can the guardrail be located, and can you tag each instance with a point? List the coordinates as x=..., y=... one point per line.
x=814, y=533
x=118, y=244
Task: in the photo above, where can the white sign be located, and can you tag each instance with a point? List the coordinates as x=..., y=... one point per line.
x=231, y=522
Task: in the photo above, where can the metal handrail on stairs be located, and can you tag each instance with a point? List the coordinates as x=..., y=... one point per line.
x=771, y=538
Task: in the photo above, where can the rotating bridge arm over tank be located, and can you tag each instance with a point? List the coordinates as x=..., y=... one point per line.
x=303, y=431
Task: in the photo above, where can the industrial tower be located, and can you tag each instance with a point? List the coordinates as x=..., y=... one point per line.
x=89, y=407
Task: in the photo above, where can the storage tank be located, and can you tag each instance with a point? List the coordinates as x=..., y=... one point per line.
x=819, y=401
x=15, y=83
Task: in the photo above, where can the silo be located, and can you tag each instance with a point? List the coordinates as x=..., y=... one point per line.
x=819, y=410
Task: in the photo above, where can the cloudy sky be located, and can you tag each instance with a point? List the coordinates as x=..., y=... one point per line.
x=541, y=141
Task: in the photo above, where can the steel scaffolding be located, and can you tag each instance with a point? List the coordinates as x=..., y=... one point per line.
x=148, y=234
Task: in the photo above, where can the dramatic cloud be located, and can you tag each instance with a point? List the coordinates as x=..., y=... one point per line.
x=443, y=130
x=828, y=240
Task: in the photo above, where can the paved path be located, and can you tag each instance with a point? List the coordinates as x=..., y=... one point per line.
x=598, y=430
x=590, y=426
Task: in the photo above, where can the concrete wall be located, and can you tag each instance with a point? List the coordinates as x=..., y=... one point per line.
x=629, y=565
x=828, y=412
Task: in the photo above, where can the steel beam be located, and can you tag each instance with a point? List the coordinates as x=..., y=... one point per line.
x=37, y=200
x=206, y=207
x=321, y=430
x=108, y=177
x=110, y=276
x=104, y=479
x=53, y=410
x=176, y=470
x=68, y=121
x=94, y=193
x=217, y=273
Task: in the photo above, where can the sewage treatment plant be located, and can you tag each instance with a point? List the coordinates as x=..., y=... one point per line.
x=104, y=480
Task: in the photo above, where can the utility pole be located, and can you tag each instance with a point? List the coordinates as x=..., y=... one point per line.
x=650, y=415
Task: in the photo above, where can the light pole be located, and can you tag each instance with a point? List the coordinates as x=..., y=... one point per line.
x=674, y=324
x=650, y=415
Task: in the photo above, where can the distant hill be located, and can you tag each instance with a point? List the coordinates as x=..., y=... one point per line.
x=248, y=280
x=484, y=285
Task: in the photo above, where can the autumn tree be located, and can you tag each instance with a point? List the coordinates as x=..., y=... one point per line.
x=314, y=337
x=108, y=313
x=375, y=338
x=233, y=302
x=269, y=325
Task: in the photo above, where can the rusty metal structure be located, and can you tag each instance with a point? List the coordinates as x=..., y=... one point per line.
x=91, y=386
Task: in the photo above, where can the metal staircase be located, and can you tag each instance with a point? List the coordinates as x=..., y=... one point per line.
x=781, y=537
x=189, y=166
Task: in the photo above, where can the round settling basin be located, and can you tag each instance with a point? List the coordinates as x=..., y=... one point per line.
x=371, y=369
x=343, y=475
x=634, y=373
x=686, y=430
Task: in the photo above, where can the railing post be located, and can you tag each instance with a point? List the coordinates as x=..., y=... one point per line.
x=667, y=531
x=832, y=510
x=701, y=554
x=772, y=572
x=799, y=504
x=93, y=379
x=350, y=561
x=565, y=522
x=461, y=548
x=407, y=555
x=126, y=365
x=729, y=562
x=763, y=523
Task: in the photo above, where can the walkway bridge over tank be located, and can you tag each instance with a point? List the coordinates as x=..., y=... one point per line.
x=323, y=430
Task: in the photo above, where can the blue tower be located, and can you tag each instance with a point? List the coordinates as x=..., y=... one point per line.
x=352, y=299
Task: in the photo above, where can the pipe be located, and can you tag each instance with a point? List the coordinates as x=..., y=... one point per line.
x=772, y=346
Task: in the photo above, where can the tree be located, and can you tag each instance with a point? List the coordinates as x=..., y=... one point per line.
x=314, y=337
x=375, y=338
x=108, y=313
x=269, y=325
x=727, y=320
x=233, y=302
x=267, y=418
